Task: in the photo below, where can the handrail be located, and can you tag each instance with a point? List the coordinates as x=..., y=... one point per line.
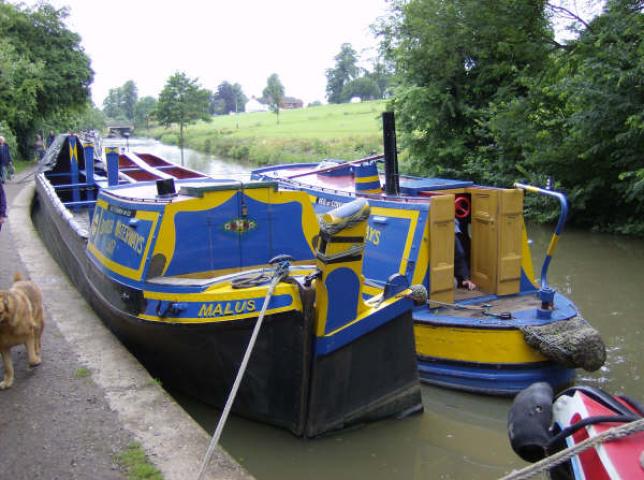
x=337, y=166
x=563, y=201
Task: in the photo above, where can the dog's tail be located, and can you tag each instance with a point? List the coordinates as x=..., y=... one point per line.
x=17, y=277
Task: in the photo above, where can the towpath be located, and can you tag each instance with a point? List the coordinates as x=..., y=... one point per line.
x=90, y=399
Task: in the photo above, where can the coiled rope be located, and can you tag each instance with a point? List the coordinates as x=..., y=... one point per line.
x=565, y=455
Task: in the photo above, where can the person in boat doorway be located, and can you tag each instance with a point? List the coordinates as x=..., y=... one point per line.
x=461, y=269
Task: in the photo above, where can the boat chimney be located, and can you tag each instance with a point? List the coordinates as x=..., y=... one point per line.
x=165, y=187
x=392, y=186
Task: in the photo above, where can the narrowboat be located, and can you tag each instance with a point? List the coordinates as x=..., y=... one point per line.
x=499, y=338
x=582, y=433
x=180, y=266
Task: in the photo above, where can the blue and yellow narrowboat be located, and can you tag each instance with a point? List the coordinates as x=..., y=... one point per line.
x=180, y=266
x=498, y=338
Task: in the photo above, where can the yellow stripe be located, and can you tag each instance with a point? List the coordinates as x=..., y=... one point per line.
x=374, y=178
x=412, y=215
x=526, y=255
x=474, y=345
x=366, y=314
x=553, y=244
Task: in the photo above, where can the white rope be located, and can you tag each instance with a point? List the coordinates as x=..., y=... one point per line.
x=565, y=455
x=240, y=374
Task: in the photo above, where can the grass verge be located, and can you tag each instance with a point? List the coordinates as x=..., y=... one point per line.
x=136, y=464
x=346, y=131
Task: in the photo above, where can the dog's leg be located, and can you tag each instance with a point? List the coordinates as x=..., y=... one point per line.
x=30, y=344
x=8, y=370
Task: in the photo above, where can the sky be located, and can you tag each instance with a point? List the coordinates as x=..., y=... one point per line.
x=239, y=41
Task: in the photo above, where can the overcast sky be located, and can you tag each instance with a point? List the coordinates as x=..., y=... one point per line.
x=241, y=41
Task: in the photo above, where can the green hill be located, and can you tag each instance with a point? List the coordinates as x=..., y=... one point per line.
x=346, y=131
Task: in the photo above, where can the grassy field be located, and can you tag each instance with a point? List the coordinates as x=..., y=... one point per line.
x=346, y=131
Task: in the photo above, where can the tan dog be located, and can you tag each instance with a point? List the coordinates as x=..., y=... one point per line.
x=22, y=321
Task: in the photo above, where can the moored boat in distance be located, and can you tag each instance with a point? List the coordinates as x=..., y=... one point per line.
x=508, y=332
x=179, y=265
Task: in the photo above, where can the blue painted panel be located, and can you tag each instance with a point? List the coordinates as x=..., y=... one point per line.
x=119, y=236
x=385, y=244
x=202, y=242
x=278, y=231
x=343, y=287
x=326, y=345
x=492, y=379
x=209, y=239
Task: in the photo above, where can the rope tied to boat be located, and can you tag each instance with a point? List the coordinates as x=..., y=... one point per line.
x=282, y=264
x=558, y=458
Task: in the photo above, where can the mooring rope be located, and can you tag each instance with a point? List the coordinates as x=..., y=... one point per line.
x=565, y=455
x=279, y=275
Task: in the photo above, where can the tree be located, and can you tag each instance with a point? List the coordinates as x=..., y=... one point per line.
x=455, y=59
x=583, y=121
x=144, y=110
x=129, y=97
x=51, y=73
x=121, y=102
x=364, y=87
x=228, y=98
x=182, y=101
x=274, y=93
x=346, y=69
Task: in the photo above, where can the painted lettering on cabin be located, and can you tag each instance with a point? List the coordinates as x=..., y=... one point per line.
x=373, y=235
x=222, y=309
x=129, y=236
x=328, y=203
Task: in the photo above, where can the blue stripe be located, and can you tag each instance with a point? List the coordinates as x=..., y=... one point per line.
x=492, y=379
x=326, y=345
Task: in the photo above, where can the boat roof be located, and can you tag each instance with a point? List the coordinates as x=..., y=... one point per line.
x=185, y=189
x=342, y=179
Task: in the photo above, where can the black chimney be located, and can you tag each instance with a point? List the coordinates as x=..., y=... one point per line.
x=392, y=186
x=165, y=187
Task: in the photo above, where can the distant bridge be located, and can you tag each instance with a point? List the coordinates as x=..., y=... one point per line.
x=120, y=130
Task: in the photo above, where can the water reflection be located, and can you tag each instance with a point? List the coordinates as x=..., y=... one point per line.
x=459, y=435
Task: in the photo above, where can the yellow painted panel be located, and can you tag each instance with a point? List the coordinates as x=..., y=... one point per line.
x=526, y=258
x=510, y=244
x=474, y=345
x=483, y=265
x=441, y=249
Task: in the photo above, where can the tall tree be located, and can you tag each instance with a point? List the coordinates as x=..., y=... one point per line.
x=274, y=93
x=346, y=69
x=583, y=121
x=144, y=110
x=454, y=58
x=121, y=102
x=182, y=101
x=228, y=98
x=40, y=39
x=129, y=96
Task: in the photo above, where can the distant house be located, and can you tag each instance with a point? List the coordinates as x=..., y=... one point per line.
x=291, y=102
x=254, y=105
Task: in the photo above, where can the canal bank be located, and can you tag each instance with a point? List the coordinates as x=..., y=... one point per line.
x=89, y=399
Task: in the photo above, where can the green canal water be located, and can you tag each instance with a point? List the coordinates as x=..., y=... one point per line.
x=459, y=435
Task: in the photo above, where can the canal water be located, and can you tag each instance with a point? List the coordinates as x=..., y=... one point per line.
x=459, y=435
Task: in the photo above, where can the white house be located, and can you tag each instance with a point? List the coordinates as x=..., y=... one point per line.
x=254, y=105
